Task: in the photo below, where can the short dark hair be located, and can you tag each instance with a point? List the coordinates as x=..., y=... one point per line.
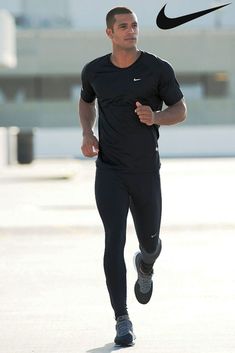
x=110, y=19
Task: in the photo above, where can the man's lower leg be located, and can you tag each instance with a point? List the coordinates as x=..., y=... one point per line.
x=144, y=262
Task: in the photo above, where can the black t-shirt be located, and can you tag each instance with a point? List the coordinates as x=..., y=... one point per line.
x=125, y=143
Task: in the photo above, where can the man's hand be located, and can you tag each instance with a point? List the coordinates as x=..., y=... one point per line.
x=90, y=145
x=145, y=114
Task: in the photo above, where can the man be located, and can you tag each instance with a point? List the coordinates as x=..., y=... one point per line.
x=130, y=87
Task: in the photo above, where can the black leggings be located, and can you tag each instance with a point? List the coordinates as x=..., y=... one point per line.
x=116, y=192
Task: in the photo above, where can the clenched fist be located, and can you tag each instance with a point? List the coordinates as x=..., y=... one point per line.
x=90, y=145
x=145, y=114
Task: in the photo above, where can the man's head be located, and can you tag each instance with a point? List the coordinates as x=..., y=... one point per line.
x=110, y=17
x=122, y=27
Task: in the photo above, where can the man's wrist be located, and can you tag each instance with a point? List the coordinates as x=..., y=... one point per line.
x=156, y=117
x=87, y=133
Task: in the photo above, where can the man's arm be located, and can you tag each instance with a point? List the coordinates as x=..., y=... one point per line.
x=87, y=114
x=173, y=114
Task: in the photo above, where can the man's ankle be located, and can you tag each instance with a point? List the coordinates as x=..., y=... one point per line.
x=146, y=268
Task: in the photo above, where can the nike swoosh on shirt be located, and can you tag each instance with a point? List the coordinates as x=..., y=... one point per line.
x=165, y=22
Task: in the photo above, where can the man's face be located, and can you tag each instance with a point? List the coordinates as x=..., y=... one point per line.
x=124, y=33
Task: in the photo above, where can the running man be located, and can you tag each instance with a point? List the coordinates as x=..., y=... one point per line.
x=130, y=86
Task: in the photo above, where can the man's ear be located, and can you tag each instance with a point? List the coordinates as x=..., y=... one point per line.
x=109, y=32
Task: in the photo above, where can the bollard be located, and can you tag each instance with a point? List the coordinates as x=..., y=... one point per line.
x=25, y=148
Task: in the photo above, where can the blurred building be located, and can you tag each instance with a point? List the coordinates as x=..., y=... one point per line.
x=55, y=39
x=89, y=14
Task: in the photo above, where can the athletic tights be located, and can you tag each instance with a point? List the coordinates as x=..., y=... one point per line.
x=117, y=192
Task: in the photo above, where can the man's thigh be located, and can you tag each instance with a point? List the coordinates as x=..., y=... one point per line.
x=146, y=208
x=112, y=199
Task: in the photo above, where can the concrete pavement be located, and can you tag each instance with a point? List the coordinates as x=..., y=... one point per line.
x=53, y=297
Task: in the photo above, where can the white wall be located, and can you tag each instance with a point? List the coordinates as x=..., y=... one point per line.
x=177, y=141
x=3, y=146
x=197, y=141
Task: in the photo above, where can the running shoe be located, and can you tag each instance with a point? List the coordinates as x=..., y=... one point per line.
x=144, y=283
x=125, y=336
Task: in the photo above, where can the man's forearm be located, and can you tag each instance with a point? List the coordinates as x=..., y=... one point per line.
x=171, y=115
x=87, y=114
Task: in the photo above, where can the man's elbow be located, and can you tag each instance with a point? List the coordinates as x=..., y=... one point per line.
x=82, y=102
x=182, y=111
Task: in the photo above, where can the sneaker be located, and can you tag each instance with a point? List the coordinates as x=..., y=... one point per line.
x=144, y=283
x=125, y=335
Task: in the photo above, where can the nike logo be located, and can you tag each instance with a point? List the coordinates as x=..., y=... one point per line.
x=136, y=79
x=153, y=236
x=165, y=22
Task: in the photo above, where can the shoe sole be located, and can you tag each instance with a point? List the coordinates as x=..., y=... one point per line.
x=124, y=345
x=125, y=342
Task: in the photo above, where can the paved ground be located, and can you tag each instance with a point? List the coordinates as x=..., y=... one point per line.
x=53, y=297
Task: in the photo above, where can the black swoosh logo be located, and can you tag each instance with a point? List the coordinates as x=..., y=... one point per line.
x=165, y=22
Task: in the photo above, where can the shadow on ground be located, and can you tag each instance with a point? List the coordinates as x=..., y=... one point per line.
x=108, y=348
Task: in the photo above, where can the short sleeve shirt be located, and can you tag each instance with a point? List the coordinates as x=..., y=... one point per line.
x=125, y=143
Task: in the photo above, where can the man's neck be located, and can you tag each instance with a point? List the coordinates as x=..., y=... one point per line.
x=124, y=58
